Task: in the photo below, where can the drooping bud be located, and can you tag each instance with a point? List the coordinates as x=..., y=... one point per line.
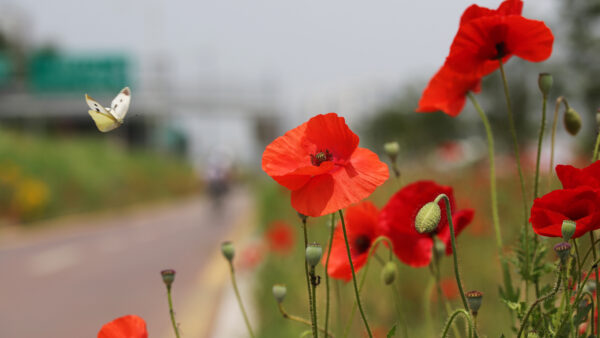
x=567, y=229
x=392, y=149
x=545, y=82
x=228, y=250
x=572, y=121
x=168, y=277
x=562, y=250
x=389, y=272
x=313, y=254
x=428, y=218
x=279, y=292
x=474, y=299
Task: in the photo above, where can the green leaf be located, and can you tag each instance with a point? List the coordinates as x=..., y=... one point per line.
x=392, y=331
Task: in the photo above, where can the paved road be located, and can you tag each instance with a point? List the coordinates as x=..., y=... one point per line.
x=66, y=284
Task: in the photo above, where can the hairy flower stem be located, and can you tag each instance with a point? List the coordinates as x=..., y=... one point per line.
x=539, y=148
x=513, y=132
x=540, y=300
x=453, y=242
x=595, y=156
x=595, y=266
x=239, y=300
x=314, y=283
x=171, y=312
x=364, y=276
x=465, y=313
x=398, y=305
x=301, y=320
x=442, y=301
x=559, y=100
x=356, y=293
x=327, y=272
x=310, y=307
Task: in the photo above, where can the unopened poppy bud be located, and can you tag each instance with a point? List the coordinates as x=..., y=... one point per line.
x=392, y=149
x=313, y=254
x=389, y=272
x=428, y=218
x=572, y=121
x=168, y=277
x=567, y=229
x=545, y=82
x=562, y=250
x=279, y=292
x=439, y=246
x=228, y=250
x=474, y=299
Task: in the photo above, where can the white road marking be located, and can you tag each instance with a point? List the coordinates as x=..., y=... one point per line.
x=54, y=260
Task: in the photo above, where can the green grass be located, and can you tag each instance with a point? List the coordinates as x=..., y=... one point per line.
x=82, y=174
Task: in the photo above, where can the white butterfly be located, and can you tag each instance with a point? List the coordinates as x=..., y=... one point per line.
x=110, y=118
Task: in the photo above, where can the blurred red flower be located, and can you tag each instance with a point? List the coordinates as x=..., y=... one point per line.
x=251, y=255
x=320, y=162
x=397, y=220
x=580, y=204
x=362, y=229
x=449, y=289
x=484, y=37
x=280, y=236
x=572, y=177
x=130, y=326
x=447, y=92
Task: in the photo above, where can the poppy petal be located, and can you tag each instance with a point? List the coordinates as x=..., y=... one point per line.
x=130, y=326
x=330, y=132
x=572, y=177
x=529, y=39
x=446, y=91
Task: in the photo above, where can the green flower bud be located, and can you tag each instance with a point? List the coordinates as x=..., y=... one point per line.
x=428, y=218
x=314, y=252
x=392, y=149
x=567, y=229
x=279, y=292
x=474, y=299
x=545, y=82
x=389, y=272
x=168, y=277
x=562, y=250
x=572, y=121
x=228, y=250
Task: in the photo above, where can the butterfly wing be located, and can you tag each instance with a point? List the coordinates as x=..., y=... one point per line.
x=120, y=104
x=94, y=105
x=104, y=121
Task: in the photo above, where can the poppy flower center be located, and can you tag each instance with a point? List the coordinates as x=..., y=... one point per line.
x=500, y=50
x=320, y=157
x=361, y=244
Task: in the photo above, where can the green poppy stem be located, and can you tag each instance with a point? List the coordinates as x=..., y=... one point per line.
x=592, y=241
x=300, y=320
x=310, y=307
x=356, y=293
x=465, y=313
x=314, y=302
x=171, y=312
x=327, y=274
x=595, y=156
x=536, y=182
x=239, y=300
x=559, y=100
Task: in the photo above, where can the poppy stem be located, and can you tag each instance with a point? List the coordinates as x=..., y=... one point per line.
x=327, y=272
x=314, y=283
x=595, y=155
x=398, y=306
x=454, y=314
x=453, y=242
x=559, y=100
x=597, y=279
x=239, y=300
x=442, y=300
x=356, y=293
x=539, y=148
x=310, y=307
x=300, y=320
x=513, y=132
x=171, y=312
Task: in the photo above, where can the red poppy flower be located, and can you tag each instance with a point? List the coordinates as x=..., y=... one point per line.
x=320, y=162
x=280, y=236
x=130, y=326
x=362, y=229
x=572, y=177
x=397, y=220
x=581, y=205
x=508, y=7
x=480, y=42
x=446, y=91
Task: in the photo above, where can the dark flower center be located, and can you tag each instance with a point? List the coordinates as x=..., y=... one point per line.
x=362, y=243
x=500, y=50
x=320, y=157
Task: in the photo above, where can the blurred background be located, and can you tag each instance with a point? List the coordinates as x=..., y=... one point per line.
x=87, y=219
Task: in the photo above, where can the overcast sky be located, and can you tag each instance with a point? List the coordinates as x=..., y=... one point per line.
x=308, y=48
